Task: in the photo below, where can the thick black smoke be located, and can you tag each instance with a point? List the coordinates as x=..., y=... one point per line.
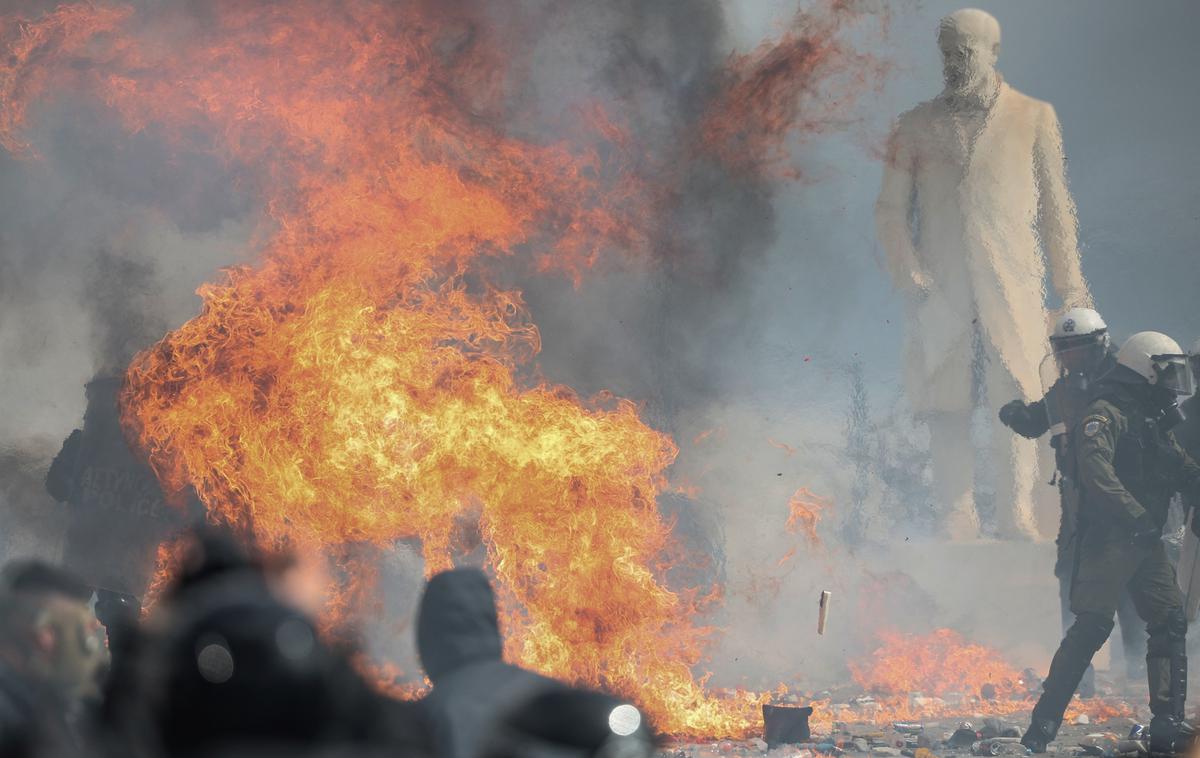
x=671, y=330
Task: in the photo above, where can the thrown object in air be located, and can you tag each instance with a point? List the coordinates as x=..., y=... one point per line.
x=823, y=611
x=786, y=724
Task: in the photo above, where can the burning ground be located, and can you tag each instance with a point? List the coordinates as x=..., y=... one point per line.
x=410, y=172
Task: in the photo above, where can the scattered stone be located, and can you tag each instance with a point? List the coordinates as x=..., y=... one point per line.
x=1099, y=744
x=964, y=736
x=1081, y=719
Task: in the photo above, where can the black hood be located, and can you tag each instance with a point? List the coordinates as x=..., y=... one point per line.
x=456, y=623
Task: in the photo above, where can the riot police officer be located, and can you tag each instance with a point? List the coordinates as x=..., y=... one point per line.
x=1080, y=354
x=1129, y=466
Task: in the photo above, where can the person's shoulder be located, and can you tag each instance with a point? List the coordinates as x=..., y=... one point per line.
x=1101, y=414
x=16, y=711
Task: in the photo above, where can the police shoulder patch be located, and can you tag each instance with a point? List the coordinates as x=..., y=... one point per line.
x=1093, y=424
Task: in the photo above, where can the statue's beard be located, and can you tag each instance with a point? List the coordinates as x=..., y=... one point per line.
x=971, y=83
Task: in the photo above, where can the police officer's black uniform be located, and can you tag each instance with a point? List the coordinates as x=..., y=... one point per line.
x=1129, y=466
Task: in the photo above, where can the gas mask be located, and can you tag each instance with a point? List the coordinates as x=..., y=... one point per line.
x=1170, y=415
x=1174, y=380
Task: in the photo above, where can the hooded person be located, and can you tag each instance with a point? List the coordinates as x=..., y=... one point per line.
x=52, y=658
x=572, y=723
x=228, y=668
x=459, y=643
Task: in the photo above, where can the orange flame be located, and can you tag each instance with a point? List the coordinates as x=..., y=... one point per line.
x=804, y=512
x=934, y=664
x=941, y=674
x=361, y=385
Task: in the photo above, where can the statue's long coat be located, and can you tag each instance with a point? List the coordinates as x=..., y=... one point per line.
x=981, y=223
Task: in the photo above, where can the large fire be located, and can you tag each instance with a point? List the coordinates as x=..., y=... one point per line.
x=936, y=664
x=368, y=381
x=917, y=677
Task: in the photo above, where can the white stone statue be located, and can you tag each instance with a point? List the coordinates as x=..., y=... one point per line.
x=974, y=204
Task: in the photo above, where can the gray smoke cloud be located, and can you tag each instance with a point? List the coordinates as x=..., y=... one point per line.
x=107, y=234
x=740, y=334
x=105, y=238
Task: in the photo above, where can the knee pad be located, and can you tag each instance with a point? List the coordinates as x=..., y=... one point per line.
x=1169, y=636
x=1090, y=630
x=1177, y=624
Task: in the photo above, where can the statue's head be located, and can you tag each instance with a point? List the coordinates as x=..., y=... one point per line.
x=970, y=44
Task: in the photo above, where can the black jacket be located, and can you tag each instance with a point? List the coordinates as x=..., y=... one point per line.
x=32, y=720
x=18, y=714
x=458, y=640
x=1128, y=464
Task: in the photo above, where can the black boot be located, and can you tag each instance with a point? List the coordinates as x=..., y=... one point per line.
x=1041, y=732
x=1072, y=659
x=1167, y=677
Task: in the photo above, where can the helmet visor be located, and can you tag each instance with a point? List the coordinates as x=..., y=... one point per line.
x=1065, y=386
x=1174, y=373
x=1080, y=354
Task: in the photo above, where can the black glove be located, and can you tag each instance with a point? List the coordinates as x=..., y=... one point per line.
x=1145, y=532
x=1011, y=411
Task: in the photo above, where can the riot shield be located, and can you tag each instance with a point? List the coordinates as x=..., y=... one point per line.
x=1189, y=569
x=1052, y=377
x=1066, y=386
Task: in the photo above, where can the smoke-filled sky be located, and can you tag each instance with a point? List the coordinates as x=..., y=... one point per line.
x=1120, y=76
x=1120, y=80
